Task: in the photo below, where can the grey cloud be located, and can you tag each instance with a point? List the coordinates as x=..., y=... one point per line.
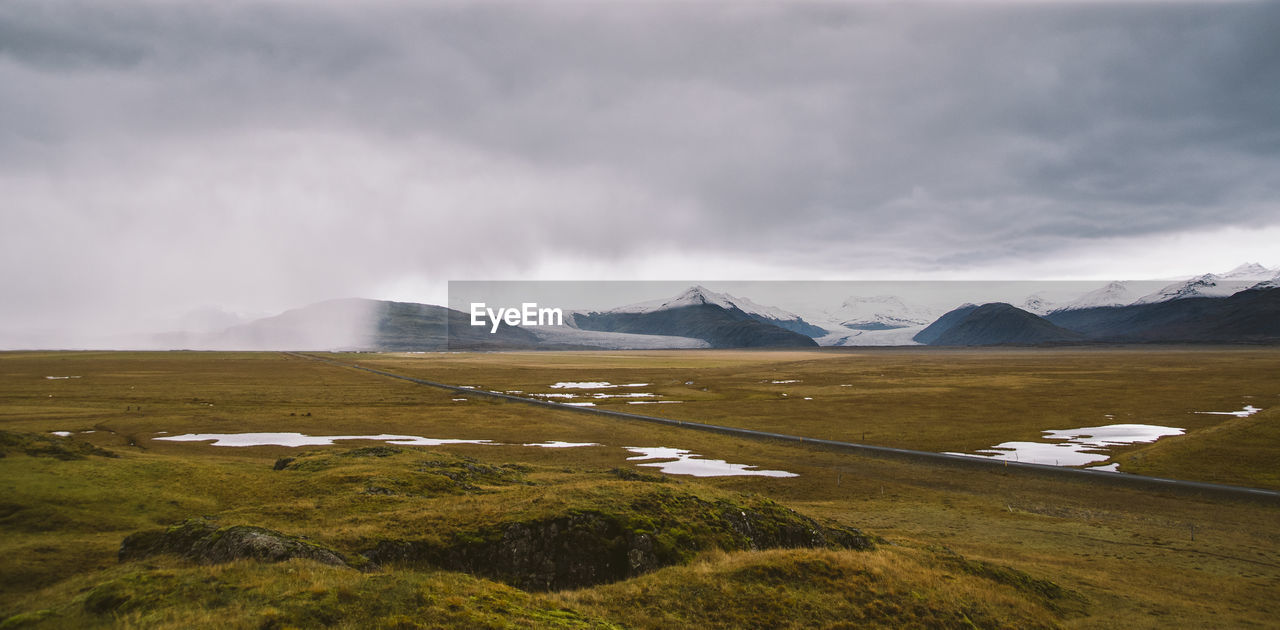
x=281, y=152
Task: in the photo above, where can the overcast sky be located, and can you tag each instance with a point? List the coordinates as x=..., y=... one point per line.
x=159, y=157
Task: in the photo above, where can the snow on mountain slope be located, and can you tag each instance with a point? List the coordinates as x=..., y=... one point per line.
x=1038, y=304
x=1250, y=271
x=699, y=294
x=889, y=337
x=1207, y=285
x=1268, y=284
x=569, y=335
x=879, y=312
x=1113, y=294
x=1211, y=285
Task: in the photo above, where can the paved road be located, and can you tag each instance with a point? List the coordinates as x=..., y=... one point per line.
x=1077, y=474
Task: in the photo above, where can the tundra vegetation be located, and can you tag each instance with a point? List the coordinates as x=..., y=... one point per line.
x=108, y=527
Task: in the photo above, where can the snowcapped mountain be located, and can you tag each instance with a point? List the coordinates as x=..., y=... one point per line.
x=698, y=295
x=721, y=320
x=1208, y=285
x=1212, y=285
x=1037, y=303
x=1268, y=284
x=1250, y=271
x=879, y=312
x=1113, y=294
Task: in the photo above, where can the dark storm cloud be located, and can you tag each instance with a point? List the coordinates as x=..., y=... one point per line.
x=271, y=153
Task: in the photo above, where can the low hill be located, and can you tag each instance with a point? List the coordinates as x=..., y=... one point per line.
x=996, y=324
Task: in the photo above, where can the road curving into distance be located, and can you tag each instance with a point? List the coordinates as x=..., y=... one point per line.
x=1044, y=470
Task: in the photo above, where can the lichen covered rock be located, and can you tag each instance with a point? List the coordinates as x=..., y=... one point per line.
x=200, y=541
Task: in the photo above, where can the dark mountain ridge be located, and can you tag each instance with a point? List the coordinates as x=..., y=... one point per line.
x=996, y=323
x=1250, y=316
x=718, y=326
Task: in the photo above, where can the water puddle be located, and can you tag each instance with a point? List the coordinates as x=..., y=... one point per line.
x=301, y=439
x=592, y=385
x=599, y=395
x=684, y=462
x=559, y=444
x=786, y=381
x=1077, y=447
x=675, y=461
x=654, y=402
x=61, y=433
x=1248, y=410
x=60, y=378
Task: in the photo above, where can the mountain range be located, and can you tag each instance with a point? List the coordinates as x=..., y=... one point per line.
x=1249, y=316
x=1237, y=306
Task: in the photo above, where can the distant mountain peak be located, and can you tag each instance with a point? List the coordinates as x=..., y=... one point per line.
x=1037, y=303
x=1208, y=285
x=879, y=312
x=697, y=295
x=1113, y=294
x=995, y=323
x=1249, y=271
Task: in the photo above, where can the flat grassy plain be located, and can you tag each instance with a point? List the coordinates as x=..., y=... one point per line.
x=956, y=546
x=958, y=400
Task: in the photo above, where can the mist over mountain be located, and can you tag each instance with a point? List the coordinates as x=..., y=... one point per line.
x=357, y=324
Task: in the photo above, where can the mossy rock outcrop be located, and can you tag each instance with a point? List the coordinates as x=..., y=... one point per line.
x=55, y=446
x=585, y=547
x=201, y=542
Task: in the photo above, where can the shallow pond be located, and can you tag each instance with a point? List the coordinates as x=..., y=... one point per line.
x=302, y=439
x=683, y=462
x=592, y=385
x=1248, y=410
x=678, y=461
x=1076, y=447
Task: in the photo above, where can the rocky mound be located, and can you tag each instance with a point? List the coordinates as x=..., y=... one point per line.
x=589, y=547
x=201, y=542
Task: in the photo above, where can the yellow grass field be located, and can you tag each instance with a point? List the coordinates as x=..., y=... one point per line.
x=956, y=546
